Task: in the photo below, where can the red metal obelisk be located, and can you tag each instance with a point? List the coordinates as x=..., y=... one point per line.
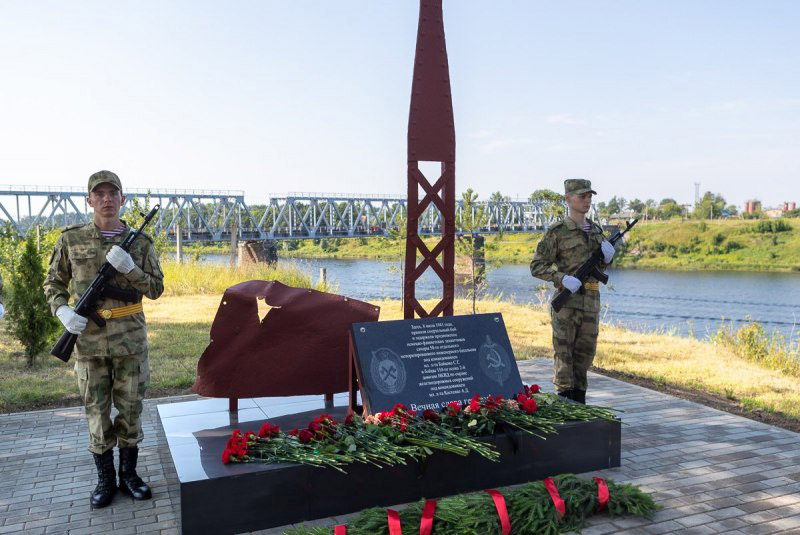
x=431, y=137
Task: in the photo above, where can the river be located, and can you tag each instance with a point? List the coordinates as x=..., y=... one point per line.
x=685, y=303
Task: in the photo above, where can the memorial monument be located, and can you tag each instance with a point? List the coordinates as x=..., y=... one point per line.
x=274, y=370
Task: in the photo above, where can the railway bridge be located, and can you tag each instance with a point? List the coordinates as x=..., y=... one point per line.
x=215, y=215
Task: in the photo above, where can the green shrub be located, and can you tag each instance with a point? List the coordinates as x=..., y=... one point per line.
x=733, y=246
x=29, y=318
x=771, y=225
x=752, y=342
x=718, y=238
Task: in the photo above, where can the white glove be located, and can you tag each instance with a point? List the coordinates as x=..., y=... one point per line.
x=571, y=283
x=2, y=310
x=120, y=259
x=608, y=251
x=72, y=321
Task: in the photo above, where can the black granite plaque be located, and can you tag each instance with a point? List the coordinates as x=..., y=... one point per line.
x=429, y=362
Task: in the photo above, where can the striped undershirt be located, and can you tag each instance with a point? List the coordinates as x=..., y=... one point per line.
x=586, y=227
x=115, y=232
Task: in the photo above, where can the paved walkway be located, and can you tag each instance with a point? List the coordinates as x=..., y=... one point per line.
x=712, y=471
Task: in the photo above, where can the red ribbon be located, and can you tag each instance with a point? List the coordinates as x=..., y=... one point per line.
x=394, y=522
x=340, y=530
x=550, y=485
x=602, y=493
x=426, y=524
x=502, y=512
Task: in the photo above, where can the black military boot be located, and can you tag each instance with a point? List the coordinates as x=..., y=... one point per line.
x=566, y=394
x=579, y=396
x=129, y=481
x=106, y=480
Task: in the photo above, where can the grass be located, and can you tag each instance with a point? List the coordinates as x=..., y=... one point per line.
x=191, y=278
x=178, y=328
x=745, y=245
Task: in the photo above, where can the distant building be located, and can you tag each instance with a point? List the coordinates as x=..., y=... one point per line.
x=753, y=206
x=789, y=206
x=773, y=212
x=622, y=216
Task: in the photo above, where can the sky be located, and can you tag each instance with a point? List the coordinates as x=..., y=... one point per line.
x=644, y=98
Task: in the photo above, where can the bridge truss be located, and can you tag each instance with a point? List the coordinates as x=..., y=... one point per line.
x=211, y=216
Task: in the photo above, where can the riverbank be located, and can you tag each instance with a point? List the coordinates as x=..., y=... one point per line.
x=178, y=328
x=720, y=245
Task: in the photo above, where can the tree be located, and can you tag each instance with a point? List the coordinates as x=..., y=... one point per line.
x=398, y=232
x=553, y=202
x=471, y=219
x=498, y=197
x=29, y=318
x=710, y=206
x=616, y=205
x=134, y=219
x=636, y=206
x=669, y=208
x=649, y=208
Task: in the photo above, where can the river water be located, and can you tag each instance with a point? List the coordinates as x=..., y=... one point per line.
x=685, y=303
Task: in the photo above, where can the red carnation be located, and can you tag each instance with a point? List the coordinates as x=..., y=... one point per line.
x=226, y=456
x=522, y=398
x=305, y=436
x=530, y=406
x=348, y=420
x=293, y=432
x=431, y=415
x=268, y=430
x=403, y=424
x=534, y=389
x=453, y=408
x=399, y=406
x=474, y=405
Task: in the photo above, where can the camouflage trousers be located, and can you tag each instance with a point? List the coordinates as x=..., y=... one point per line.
x=574, y=342
x=122, y=381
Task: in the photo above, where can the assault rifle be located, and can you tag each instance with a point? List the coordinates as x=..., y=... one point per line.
x=589, y=269
x=99, y=288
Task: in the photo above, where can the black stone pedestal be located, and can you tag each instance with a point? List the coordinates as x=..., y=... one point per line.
x=235, y=498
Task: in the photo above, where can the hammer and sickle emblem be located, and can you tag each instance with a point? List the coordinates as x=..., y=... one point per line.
x=494, y=359
x=388, y=372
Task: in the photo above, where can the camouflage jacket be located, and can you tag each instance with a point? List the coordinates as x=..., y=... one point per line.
x=563, y=249
x=78, y=254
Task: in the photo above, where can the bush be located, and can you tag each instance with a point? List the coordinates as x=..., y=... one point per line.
x=718, y=238
x=767, y=226
x=29, y=318
x=733, y=246
x=753, y=343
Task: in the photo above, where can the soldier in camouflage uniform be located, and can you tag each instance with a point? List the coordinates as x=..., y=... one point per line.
x=111, y=362
x=565, y=246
